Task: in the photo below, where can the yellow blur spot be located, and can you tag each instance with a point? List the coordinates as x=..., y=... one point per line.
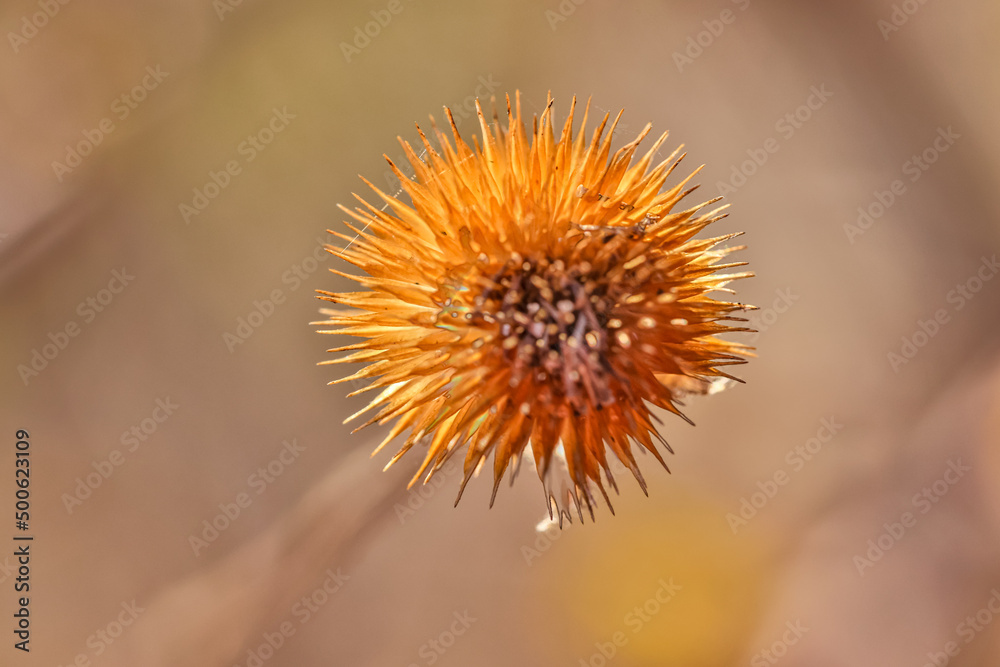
x=670, y=586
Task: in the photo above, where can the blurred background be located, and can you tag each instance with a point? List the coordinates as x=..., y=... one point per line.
x=168, y=173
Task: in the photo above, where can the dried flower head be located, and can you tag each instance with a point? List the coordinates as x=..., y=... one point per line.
x=536, y=295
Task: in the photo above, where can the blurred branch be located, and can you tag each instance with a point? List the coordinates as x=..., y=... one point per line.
x=206, y=618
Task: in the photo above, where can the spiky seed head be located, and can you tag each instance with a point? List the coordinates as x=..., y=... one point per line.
x=534, y=296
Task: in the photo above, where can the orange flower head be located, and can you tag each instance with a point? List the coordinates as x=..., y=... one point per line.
x=535, y=295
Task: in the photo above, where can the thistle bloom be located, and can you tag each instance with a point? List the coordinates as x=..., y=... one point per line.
x=536, y=296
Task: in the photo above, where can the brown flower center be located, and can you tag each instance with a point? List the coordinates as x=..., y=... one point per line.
x=551, y=323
